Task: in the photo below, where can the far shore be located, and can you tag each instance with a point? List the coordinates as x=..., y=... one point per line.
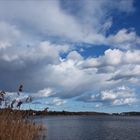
x=49, y=113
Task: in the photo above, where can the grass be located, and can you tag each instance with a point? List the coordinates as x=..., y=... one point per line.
x=15, y=126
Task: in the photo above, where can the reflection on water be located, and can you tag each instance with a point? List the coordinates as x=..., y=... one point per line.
x=92, y=127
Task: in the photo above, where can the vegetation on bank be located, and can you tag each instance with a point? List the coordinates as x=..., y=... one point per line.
x=14, y=125
x=45, y=112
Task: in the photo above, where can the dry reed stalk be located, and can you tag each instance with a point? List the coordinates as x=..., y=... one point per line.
x=14, y=126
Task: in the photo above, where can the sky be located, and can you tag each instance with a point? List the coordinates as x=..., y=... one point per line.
x=74, y=55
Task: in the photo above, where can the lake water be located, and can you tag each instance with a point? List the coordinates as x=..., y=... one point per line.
x=92, y=127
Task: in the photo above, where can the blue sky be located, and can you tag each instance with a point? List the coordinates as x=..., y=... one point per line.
x=72, y=55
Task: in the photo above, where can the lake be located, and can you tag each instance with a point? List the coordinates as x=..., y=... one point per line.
x=92, y=127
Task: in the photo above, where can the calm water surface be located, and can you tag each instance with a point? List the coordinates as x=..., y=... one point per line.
x=92, y=127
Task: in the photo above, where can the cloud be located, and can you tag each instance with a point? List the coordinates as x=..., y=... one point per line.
x=9, y=35
x=52, y=21
x=58, y=101
x=62, y=19
x=34, y=53
x=71, y=80
x=124, y=39
x=38, y=48
x=113, y=97
x=74, y=55
x=126, y=6
x=42, y=65
x=120, y=65
x=112, y=58
x=43, y=93
x=28, y=64
x=127, y=72
x=68, y=77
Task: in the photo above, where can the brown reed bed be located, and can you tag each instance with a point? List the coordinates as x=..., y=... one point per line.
x=14, y=125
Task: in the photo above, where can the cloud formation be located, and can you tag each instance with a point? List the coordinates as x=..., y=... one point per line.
x=115, y=97
x=62, y=19
x=125, y=39
x=38, y=47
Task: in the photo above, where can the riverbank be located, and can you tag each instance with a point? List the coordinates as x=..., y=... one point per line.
x=14, y=125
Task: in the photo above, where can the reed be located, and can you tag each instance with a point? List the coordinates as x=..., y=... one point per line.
x=14, y=125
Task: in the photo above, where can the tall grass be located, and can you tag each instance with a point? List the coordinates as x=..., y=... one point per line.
x=15, y=126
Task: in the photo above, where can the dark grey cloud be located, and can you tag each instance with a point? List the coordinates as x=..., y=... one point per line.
x=123, y=77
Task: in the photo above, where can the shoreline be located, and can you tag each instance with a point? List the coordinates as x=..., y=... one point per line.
x=27, y=113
